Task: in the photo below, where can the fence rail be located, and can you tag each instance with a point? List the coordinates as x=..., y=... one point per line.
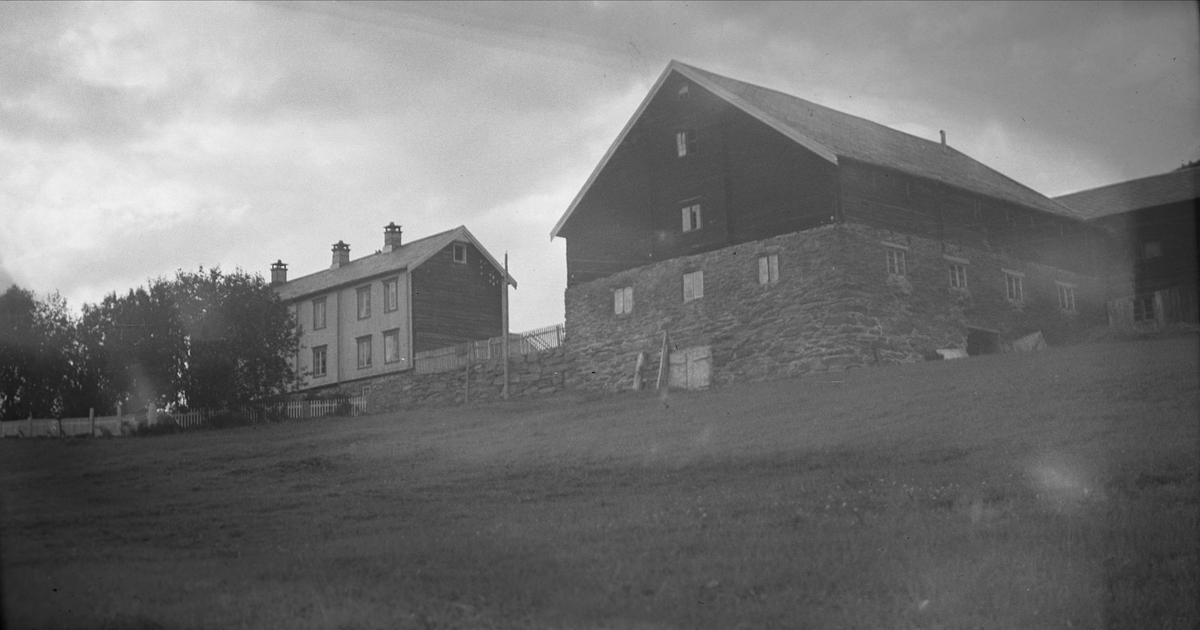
x=118, y=425
x=455, y=357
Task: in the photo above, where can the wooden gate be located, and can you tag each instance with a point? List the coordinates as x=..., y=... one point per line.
x=691, y=368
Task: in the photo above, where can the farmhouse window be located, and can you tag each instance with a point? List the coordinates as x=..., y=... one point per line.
x=768, y=269
x=685, y=142
x=391, y=294
x=318, y=313
x=391, y=346
x=692, y=218
x=364, y=302
x=895, y=262
x=693, y=286
x=1152, y=249
x=1013, y=288
x=318, y=361
x=460, y=253
x=364, y=352
x=1143, y=308
x=1066, y=297
x=623, y=300
x=958, y=276
x=683, y=92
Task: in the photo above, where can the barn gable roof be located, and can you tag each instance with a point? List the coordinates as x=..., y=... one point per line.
x=408, y=256
x=832, y=135
x=1135, y=194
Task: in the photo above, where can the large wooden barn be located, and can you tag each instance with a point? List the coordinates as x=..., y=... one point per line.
x=768, y=235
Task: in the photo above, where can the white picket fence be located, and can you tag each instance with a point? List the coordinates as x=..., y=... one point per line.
x=268, y=412
x=455, y=357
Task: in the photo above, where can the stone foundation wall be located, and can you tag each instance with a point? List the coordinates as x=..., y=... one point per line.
x=539, y=374
x=834, y=306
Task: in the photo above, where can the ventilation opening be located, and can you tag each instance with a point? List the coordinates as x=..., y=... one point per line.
x=981, y=341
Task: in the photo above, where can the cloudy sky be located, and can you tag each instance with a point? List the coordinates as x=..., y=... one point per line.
x=138, y=139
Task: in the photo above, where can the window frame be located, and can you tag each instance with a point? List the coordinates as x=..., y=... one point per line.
x=324, y=313
x=359, y=345
x=768, y=269
x=1148, y=308
x=958, y=275
x=363, y=301
x=685, y=142
x=693, y=283
x=391, y=294
x=1014, y=280
x=393, y=335
x=321, y=351
x=693, y=217
x=455, y=249
x=623, y=300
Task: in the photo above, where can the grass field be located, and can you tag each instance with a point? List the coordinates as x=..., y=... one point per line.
x=1050, y=490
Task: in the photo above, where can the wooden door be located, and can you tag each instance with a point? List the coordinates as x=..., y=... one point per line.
x=691, y=368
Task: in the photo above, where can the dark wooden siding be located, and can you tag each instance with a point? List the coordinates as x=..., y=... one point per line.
x=750, y=181
x=891, y=199
x=455, y=302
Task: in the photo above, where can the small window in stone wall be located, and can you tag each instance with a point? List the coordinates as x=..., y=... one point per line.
x=623, y=300
x=1143, y=308
x=958, y=276
x=693, y=286
x=1066, y=297
x=768, y=269
x=895, y=262
x=692, y=219
x=1013, y=286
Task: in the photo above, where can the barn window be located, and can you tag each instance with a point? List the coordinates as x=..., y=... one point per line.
x=895, y=262
x=460, y=253
x=318, y=313
x=1143, y=308
x=623, y=300
x=685, y=142
x=768, y=269
x=364, y=352
x=318, y=361
x=1013, y=286
x=693, y=286
x=391, y=346
x=683, y=92
x=1152, y=249
x=364, y=302
x=958, y=276
x=692, y=218
x=1066, y=297
x=391, y=294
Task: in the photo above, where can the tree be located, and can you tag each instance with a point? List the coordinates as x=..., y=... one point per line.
x=39, y=355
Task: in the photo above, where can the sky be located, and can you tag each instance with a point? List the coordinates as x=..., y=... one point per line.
x=140, y=139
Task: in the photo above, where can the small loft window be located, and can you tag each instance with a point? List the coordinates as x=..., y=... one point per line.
x=693, y=286
x=768, y=269
x=460, y=253
x=1152, y=249
x=1013, y=286
x=692, y=220
x=685, y=142
x=1066, y=297
x=958, y=276
x=623, y=300
x=683, y=92
x=895, y=262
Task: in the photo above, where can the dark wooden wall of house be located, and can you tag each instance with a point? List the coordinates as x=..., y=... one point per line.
x=888, y=198
x=1173, y=227
x=750, y=181
x=455, y=302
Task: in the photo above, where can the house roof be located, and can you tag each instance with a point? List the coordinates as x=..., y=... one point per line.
x=408, y=256
x=1135, y=194
x=832, y=135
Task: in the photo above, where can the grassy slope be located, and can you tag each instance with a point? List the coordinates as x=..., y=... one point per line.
x=1010, y=491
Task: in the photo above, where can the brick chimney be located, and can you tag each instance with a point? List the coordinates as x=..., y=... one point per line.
x=278, y=272
x=943, y=137
x=391, y=237
x=341, y=255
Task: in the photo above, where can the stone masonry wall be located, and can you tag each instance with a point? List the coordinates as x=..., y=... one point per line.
x=834, y=306
x=538, y=374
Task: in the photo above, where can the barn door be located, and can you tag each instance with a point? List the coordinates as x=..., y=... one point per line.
x=691, y=368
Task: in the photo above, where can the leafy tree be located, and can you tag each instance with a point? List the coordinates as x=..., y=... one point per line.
x=39, y=354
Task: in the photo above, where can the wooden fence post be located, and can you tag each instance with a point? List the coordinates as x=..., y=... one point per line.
x=92, y=421
x=662, y=364
x=31, y=425
x=467, y=391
